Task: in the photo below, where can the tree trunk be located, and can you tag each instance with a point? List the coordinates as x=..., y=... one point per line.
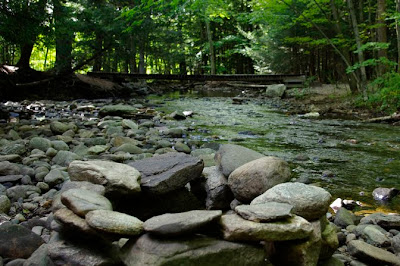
x=381, y=33
x=26, y=52
x=97, y=65
x=211, y=47
x=353, y=17
x=64, y=38
x=398, y=35
x=345, y=51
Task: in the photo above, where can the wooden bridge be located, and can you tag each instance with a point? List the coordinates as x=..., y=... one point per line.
x=290, y=80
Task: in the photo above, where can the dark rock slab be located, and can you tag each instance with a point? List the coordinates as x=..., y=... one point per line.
x=370, y=254
x=40, y=257
x=173, y=224
x=196, y=250
x=270, y=211
x=383, y=220
x=219, y=195
x=17, y=241
x=7, y=168
x=168, y=172
x=10, y=178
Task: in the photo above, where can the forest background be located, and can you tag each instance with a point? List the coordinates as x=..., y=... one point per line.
x=331, y=41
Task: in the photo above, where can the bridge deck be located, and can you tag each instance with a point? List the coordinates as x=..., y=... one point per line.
x=290, y=80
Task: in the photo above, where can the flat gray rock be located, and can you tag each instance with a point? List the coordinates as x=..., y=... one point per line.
x=64, y=158
x=114, y=222
x=269, y=211
x=82, y=201
x=230, y=156
x=195, y=250
x=309, y=202
x=254, y=178
x=10, y=178
x=235, y=228
x=99, y=189
x=7, y=168
x=370, y=254
x=115, y=177
x=173, y=224
x=383, y=220
x=21, y=191
x=72, y=222
x=168, y=172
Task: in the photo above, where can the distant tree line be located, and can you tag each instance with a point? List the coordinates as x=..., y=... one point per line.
x=356, y=41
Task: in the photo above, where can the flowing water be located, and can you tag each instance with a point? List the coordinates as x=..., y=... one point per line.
x=360, y=156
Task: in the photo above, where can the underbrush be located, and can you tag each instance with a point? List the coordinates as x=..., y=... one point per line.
x=383, y=94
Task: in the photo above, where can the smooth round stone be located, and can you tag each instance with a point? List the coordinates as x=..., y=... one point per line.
x=114, y=222
x=173, y=224
x=130, y=148
x=5, y=204
x=127, y=123
x=82, y=201
x=60, y=145
x=270, y=211
x=182, y=147
x=39, y=143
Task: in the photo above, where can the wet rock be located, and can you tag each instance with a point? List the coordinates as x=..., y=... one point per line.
x=7, y=168
x=219, y=195
x=299, y=252
x=64, y=158
x=21, y=191
x=370, y=254
x=64, y=252
x=235, y=228
x=54, y=177
x=5, y=204
x=254, y=178
x=375, y=237
x=59, y=145
x=329, y=241
x=384, y=194
x=39, y=143
x=114, y=223
x=72, y=223
x=174, y=224
x=99, y=189
x=127, y=123
x=230, y=156
x=168, y=172
x=117, y=178
x=40, y=257
x=58, y=127
x=20, y=241
x=182, y=147
x=195, y=250
x=308, y=201
x=344, y=218
x=270, y=211
x=275, y=90
x=130, y=148
x=383, y=220
x=81, y=201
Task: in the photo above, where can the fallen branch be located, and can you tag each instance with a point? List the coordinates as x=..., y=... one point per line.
x=389, y=118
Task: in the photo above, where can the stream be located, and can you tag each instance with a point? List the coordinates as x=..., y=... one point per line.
x=348, y=158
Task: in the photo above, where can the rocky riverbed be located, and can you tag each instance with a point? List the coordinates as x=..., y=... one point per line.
x=114, y=183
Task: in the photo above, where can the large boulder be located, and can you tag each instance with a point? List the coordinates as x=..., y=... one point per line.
x=115, y=223
x=230, y=156
x=370, y=254
x=254, y=178
x=168, y=172
x=219, y=195
x=117, y=178
x=17, y=241
x=196, y=250
x=82, y=201
x=275, y=90
x=308, y=201
x=235, y=228
x=173, y=224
